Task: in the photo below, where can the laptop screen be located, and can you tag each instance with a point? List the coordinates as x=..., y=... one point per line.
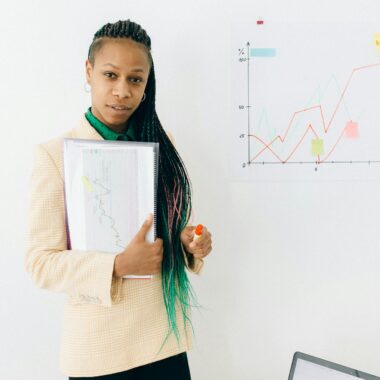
x=310, y=371
x=306, y=367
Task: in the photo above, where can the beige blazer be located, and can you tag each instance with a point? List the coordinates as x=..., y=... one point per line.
x=110, y=324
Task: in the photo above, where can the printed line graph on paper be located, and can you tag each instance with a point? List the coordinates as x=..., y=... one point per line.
x=106, y=212
x=309, y=101
x=98, y=193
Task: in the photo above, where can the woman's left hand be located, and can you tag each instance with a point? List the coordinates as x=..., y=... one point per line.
x=199, y=248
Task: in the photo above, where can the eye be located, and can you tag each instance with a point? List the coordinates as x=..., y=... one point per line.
x=136, y=80
x=106, y=74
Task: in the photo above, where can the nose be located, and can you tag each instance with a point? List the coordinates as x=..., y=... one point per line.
x=122, y=89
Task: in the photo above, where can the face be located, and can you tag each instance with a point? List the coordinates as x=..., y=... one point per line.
x=118, y=78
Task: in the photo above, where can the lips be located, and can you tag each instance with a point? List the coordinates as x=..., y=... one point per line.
x=119, y=107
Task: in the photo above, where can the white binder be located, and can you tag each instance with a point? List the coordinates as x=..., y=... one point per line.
x=110, y=188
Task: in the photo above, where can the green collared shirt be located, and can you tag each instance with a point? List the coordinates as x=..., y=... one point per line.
x=106, y=132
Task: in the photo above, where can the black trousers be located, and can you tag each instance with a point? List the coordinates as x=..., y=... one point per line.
x=172, y=368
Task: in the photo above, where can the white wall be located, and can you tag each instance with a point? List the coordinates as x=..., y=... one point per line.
x=295, y=265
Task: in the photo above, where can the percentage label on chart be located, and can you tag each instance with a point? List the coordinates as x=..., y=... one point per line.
x=241, y=51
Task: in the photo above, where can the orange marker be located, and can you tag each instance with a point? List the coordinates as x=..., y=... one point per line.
x=198, y=232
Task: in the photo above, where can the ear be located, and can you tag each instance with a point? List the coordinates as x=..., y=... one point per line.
x=88, y=71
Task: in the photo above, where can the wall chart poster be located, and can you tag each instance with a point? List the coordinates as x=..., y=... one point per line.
x=306, y=100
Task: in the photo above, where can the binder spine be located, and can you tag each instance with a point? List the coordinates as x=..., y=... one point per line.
x=65, y=165
x=156, y=160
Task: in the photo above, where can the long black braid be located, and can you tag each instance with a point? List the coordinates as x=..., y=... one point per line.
x=174, y=187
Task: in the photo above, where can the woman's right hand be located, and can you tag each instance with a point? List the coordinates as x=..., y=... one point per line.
x=140, y=257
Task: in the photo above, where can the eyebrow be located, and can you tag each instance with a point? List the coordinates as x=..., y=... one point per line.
x=138, y=69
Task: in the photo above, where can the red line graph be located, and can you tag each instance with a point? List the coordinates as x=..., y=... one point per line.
x=326, y=126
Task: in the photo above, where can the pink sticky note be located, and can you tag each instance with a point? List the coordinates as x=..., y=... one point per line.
x=352, y=130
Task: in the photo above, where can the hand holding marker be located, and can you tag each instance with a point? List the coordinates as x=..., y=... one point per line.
x=197, y=241
x=201, y=243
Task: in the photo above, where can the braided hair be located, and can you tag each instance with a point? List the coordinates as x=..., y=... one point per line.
x=174, y=187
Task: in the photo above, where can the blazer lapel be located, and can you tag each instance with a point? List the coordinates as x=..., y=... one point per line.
x=84, y=130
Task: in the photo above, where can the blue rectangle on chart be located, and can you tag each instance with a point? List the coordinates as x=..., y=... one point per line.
x=263, y=52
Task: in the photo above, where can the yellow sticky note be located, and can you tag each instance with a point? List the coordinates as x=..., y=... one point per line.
x=352, y=130
x=377, y=41
x=317, y=147
x=87, y=183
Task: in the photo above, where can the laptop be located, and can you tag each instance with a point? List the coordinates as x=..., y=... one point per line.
x=306, y=367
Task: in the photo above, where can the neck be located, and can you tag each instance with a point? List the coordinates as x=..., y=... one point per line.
x=116, y=128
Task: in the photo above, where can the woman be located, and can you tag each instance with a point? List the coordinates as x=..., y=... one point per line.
x=117, y=328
